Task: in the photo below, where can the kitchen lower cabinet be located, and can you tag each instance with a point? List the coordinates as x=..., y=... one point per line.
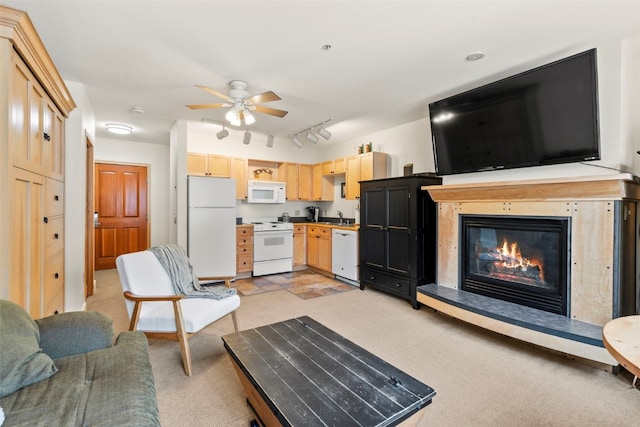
x=244, y=248
x=397, y=244
x=299, y=245
x=319, y=247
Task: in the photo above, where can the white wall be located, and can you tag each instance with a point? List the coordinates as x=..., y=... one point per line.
x=156, y=157
x=79, y=126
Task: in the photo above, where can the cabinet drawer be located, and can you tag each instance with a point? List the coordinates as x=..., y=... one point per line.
x=299, y=229
x=244, y=241
x=54, y=197
x=54, y=285
x=244, y=250
x=53, y=236
x=244, y=231
x=386, y=283
x=244, y=263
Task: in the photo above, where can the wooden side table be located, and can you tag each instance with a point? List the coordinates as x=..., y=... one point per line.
x=621, y=337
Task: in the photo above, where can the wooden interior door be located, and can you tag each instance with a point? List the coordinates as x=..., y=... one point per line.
x=121, y=204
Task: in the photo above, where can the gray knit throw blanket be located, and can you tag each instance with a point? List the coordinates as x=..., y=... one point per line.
x=176, y=263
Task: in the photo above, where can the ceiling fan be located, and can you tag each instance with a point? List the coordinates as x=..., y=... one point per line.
x=241, y=103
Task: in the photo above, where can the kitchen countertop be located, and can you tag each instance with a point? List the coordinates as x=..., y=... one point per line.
x=355, y=227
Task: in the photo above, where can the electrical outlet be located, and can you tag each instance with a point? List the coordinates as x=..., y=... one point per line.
x=297, y=213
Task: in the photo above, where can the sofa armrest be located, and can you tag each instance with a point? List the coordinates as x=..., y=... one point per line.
x=77, y=332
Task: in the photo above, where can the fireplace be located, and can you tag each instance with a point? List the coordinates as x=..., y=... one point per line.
x=520, y=259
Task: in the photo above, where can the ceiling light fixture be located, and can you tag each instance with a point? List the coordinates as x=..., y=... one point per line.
x=297, y=141
x=475, y=56
x=270, y=139
x=312, y=134
x=223, y=133
x=119, y=129
x=247, y=138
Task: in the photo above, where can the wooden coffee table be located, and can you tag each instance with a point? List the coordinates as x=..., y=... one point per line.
x=300, y=373
x=621, y=336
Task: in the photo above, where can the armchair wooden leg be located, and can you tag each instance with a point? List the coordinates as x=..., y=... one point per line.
x=182, y=338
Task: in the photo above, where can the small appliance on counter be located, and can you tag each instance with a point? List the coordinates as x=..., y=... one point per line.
x=286, y=217
x=313, y=212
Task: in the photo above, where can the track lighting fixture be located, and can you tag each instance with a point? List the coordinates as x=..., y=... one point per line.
x=223, y=133
x=324, y=133
x=247, y=138
x=270, y=139
x=297, y=142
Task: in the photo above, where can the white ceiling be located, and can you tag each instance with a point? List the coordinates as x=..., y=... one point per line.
x=388, y=59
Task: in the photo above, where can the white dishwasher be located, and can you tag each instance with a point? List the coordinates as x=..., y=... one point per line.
x=344, y=254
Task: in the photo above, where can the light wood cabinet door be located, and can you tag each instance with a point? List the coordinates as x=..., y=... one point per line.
x=313, y=246
x=239, y=173
x=324, y=249
x=26, y=100
x=53, y=141
x=299, y=245
x=26, y=257
x=304, y=181
x=201, y=164
x=322, y=188
x=333, y=167
x=352, y=176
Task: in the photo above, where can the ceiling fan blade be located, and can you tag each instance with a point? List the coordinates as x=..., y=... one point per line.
x=215, y=92
x=272, y=111
x=203, y=106
x=263, y=97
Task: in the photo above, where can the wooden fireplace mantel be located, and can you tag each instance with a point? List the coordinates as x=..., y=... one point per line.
x=606, y=187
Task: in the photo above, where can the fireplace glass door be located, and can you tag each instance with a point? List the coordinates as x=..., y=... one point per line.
x=519, y=259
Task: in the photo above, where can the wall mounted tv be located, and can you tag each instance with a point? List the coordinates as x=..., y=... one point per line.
x=543, y=116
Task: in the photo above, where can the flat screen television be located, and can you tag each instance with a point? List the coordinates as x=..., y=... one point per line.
x=543, y=116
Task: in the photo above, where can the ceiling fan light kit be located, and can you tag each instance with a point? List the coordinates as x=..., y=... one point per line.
x=118, y=128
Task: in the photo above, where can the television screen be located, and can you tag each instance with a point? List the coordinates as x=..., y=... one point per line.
x=543, y=116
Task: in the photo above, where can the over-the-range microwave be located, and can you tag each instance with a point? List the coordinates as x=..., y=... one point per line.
x=266, y=191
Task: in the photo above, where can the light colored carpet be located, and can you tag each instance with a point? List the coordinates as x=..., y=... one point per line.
x=481, y=378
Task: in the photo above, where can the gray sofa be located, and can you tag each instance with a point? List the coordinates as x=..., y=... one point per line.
x=63, y=370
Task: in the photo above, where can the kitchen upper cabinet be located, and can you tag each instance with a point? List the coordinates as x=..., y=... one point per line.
x=322, y=185
x=319, y=247
x=363, y=167
x=333, y=167
x=239, y=168
x=208, y=165
x=298, y=180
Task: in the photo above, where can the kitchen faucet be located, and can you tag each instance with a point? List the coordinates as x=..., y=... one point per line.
x=340, y=214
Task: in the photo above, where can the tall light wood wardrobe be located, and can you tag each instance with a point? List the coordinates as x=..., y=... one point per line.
x=34, y=103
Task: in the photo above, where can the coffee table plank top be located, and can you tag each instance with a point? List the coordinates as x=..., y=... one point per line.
x=311, y=375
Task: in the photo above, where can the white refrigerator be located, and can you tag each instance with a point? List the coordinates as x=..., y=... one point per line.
x=211, y=225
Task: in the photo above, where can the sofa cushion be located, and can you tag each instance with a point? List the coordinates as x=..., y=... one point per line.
x=22, y=361
x=109, y=387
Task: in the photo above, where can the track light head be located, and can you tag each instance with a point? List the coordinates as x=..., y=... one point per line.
x=247, y=138
x=324, y=133
x=312, y=137
x=270, y=139
x=297, y=142
x=222, y=134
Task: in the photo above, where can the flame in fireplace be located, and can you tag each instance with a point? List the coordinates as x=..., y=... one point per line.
x=510, y=259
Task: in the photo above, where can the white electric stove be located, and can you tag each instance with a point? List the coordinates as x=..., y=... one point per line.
x=272, y=246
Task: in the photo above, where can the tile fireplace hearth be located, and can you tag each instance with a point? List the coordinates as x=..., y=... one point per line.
x=591, y=280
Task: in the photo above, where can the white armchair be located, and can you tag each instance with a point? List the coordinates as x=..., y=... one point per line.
x=155, y=309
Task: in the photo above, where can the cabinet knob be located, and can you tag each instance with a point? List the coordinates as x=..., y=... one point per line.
x=55, y=312
x=55, y=236
x=398, y=285
x=47, y=137
x=372, y=277
x=46, y=220
x=56, y=275
x=56, y=198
